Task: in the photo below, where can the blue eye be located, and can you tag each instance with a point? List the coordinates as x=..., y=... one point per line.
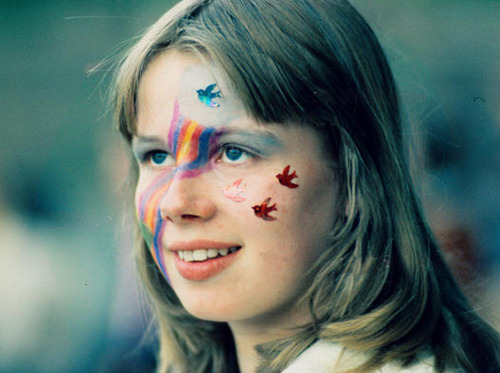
x=232, y=154
x=158, y=158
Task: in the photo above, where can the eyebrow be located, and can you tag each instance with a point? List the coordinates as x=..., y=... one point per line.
x=264, y=139
x=141, y=144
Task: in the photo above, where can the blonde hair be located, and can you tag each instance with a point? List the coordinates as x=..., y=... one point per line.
x=381, y=286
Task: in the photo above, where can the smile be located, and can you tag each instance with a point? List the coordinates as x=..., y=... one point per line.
x=202, y=255
x=200, y=260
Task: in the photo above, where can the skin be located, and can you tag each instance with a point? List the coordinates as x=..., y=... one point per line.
x=257, y=294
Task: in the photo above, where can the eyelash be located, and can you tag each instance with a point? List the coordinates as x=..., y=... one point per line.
x=147, y=156
x=251, y=154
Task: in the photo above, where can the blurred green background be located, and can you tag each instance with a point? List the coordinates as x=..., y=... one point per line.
x=68, y=296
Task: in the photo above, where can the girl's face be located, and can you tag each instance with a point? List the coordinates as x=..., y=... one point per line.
x=234, y=212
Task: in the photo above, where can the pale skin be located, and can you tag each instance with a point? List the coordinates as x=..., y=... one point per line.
x=257, y=294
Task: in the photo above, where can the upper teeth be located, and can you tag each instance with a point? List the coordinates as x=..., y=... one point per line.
x=204, y=254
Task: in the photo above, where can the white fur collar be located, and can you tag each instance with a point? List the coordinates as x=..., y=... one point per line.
x=327, y=357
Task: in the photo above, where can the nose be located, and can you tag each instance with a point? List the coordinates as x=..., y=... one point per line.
x=187, y=200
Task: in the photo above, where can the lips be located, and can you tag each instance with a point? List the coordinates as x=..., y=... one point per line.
x=201, y=259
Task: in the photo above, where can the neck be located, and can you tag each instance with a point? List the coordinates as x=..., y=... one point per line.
x=249, y=334
x=246, y=339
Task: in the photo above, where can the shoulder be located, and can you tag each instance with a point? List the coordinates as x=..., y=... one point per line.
x=327, y=357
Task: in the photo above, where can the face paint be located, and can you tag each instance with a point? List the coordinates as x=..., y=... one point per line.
x=225, y=224
x=150, y=219
x=192, y=145
x=263, y=210
x=235, y=191
x=286, y=179
x=207, y=95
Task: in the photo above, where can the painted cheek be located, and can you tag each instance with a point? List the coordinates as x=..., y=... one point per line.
x=150, y=219
x=266, y=203
x=191, y=144
x=264, y=209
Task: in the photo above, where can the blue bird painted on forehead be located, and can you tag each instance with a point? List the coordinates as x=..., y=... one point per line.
x=206, y=95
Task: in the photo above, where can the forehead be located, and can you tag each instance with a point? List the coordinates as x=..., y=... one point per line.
x=195, y=85
x=173, y=79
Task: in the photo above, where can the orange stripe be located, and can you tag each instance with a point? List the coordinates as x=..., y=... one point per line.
x=153, y=204
x=181, y=143
x=194, y=149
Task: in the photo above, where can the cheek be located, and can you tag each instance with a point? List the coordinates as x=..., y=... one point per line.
x=268, y=199
x=263, y=189
x=147, y=202
x=242, y=193
x=310, y=209
x=315, y=211
x=148, y=196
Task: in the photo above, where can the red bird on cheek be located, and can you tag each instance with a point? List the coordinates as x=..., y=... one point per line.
x=286, y=179
x=263, y=210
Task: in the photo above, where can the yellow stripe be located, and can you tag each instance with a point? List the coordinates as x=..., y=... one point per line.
x=186, y=142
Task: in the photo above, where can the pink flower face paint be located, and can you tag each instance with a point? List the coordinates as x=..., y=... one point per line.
x=236, y=191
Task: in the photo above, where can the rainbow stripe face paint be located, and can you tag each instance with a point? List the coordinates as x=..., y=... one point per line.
x=191, y=144
x=150, y=219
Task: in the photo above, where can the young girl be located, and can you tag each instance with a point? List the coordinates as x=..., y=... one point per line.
x=279, y=231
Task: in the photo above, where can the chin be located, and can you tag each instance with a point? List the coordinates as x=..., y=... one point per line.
x=211, y=313
x=218, y=309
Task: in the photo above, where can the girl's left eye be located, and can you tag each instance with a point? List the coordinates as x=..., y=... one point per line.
x=235, y=155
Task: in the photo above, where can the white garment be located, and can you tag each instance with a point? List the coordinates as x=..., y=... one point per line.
x=327, y=357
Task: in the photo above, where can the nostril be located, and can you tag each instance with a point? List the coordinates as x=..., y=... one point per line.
x=189, y=217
